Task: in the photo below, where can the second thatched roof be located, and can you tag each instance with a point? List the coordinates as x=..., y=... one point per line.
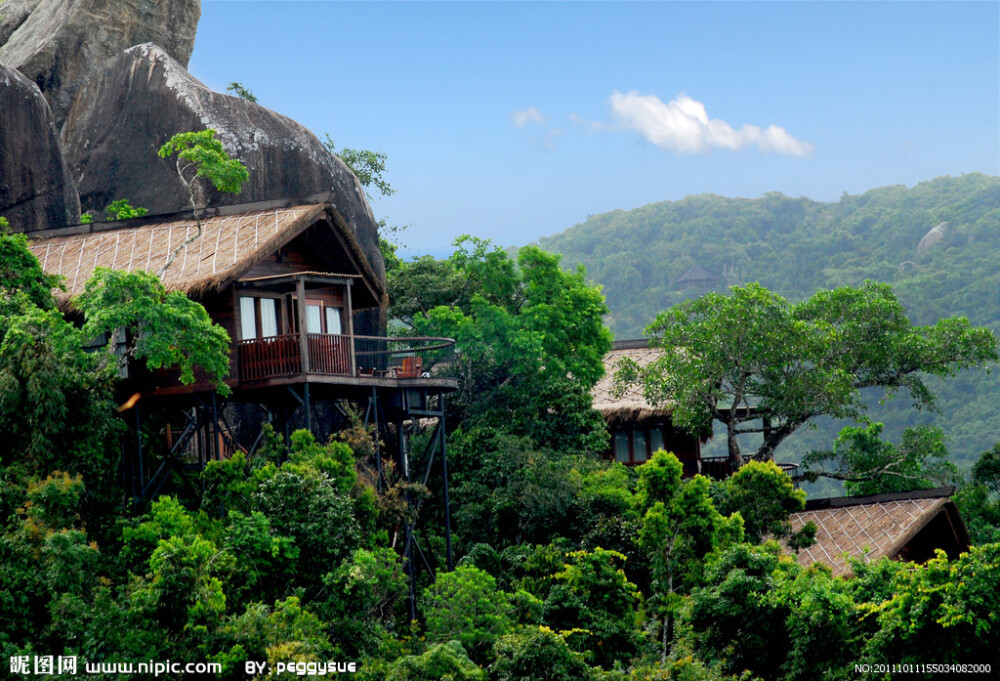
x=631, y=408
x=908, y=525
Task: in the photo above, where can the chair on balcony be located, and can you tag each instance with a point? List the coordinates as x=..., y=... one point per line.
x=412, y=368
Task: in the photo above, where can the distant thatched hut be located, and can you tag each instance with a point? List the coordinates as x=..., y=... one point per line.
x=901, y=526
x=638, y=428
x=696, y=277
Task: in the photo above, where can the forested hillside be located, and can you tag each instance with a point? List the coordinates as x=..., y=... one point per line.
x=795, y=246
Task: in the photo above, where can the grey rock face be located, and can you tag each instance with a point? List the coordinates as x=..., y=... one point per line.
x=125, y=114
x=36, y=190
x=932, y=238
x=12, y=14
x=60, y=43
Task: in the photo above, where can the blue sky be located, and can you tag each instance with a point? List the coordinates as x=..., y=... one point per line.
x=517, y=120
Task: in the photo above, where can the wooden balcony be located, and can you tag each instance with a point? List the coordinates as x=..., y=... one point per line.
x=336, y=355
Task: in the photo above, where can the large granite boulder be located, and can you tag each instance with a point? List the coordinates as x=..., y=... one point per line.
x=932, y=238
x=12, y=14
x=123, y=116
x=59, y=44
x=36, y=190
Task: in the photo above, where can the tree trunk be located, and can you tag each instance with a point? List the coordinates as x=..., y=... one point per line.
x=735, y=457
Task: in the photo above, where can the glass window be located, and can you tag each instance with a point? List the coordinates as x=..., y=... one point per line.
x=268, y=317
x=248, y=318
x=621, y=446
x=314, y=321
x=655, y=440
x=333, y=320
x=640, y=453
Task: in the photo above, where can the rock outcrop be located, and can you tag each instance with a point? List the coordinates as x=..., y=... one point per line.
x=60, y=44
x=12, y=14
x=932, y=238
x=36, y=190
x=127, y=112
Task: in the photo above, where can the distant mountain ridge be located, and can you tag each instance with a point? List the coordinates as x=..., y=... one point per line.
x=937, y=243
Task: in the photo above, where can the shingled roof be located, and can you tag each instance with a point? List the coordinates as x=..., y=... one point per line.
x=631, y=407
x=229, y=246
x=906, y=526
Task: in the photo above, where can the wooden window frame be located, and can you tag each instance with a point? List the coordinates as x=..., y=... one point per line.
x=256, y=296
x=324, y=304
x=630, y=432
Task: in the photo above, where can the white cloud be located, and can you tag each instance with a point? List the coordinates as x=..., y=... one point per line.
x=525, y=116
x=682, y=125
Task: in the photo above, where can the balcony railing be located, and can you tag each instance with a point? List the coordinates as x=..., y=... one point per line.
x=719, y=468
x=269, y=357
x=410, y=357
x=330, y=355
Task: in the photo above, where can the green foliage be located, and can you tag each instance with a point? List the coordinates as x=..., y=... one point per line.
x=871, y=465
x=680, y=528
x=592, y=594
x=335, y=460
x=530, y=338
x=56, y=408
x=367, y=166
x=949, y=607
x=44, y=555
x=303, y=503
x=441, y=662
x=363, y=593
x=167, y=329
x=506, y=490
x=122, y=210
x=55, y=501
x=796, y=246
x=764, y=496
x=202, y=151
x=238, y=90
x=286, y=632
x=538, y=654
x=723, y=355
x=86, y=218
x=20, y=272
x=736, y=620
x=823, y=626
x=466, y=606
x=979, y=499
x=659, y=479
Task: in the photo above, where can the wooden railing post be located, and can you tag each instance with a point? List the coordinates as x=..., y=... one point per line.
x=350, y=330
x=300, y=288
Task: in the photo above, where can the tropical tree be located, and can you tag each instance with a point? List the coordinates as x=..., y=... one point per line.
x=759, y=364
x=530, y=338
x=870, y=465
x=680, y=528
x=201, y=157
x=166, y=329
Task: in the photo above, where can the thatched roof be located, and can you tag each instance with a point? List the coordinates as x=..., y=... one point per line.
x=631, y=408
x=885, y=525
x=696, y=274
x=229, y=246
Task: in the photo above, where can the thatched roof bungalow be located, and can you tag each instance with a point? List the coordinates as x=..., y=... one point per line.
x=287, y=280
x=638, y=428
x=901, y=526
